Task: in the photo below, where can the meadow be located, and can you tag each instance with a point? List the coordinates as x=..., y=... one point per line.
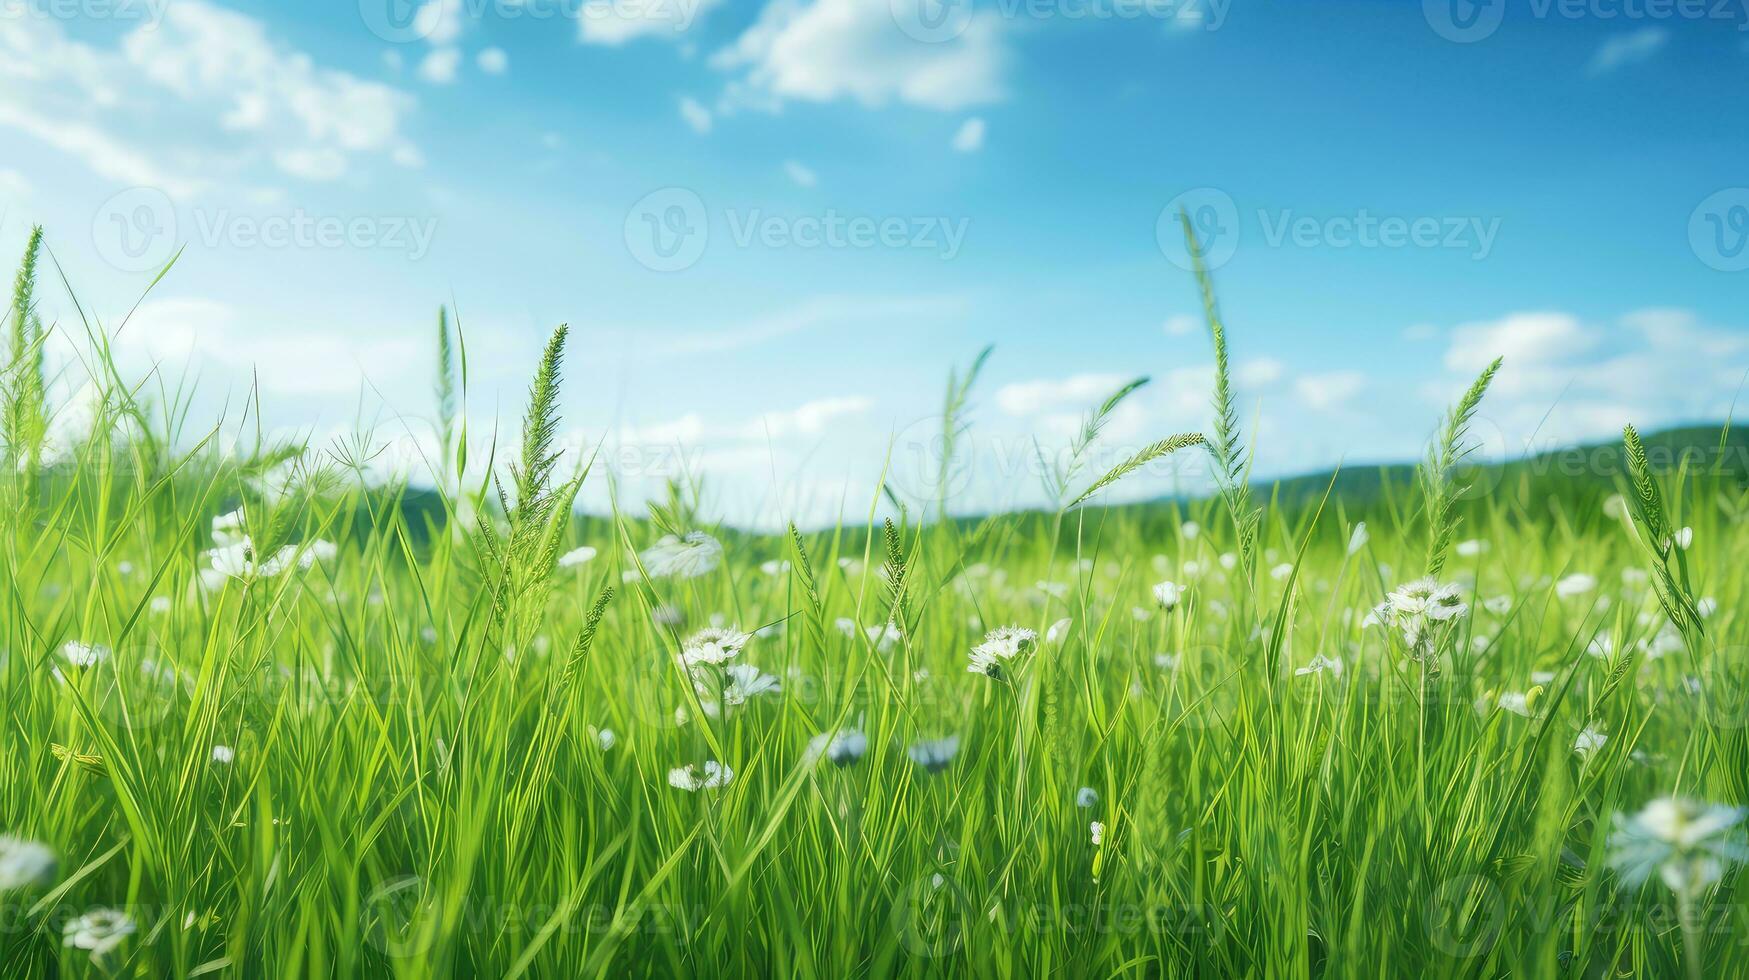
x=264, y=719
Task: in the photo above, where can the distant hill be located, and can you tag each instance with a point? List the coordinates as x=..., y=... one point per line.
x=1709, y=451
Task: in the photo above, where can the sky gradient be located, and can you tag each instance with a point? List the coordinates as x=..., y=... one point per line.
x=774, y=226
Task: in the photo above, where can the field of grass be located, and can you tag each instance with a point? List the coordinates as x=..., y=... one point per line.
x=263, y=720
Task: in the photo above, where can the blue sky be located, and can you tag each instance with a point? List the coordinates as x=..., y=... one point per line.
x=774, y=226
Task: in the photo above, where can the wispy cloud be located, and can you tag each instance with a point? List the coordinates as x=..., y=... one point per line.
x=853, y=49
x=1627, y=49
x=813, y=314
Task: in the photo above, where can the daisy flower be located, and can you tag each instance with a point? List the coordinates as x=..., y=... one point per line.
x=712, y=645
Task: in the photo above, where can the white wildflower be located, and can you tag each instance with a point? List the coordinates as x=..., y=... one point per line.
x=1086, y=797
x=1683, y=539
x=224, y=755
x=1420, y=611
x=1168, y=595
x=692, y=779
x=1576, y=584
x=1058, y=631
x=1589, y=742
x=842, y=748
x=934, y=756
x=1096, y=830
x=24, y=863
x=1689, y=844
x=1002, y=646
x=1281, y=571
x=1471, y=548
x=99, y=930
x=228, y=528
x=1190, y=529
x=712, y=645
x=741, y=682
x=84, y=655
x=1320, y=664
x=577, y=556
x=689, y=557
x=1357, y=540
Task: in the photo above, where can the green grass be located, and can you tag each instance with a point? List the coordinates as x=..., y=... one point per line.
x=418, y=785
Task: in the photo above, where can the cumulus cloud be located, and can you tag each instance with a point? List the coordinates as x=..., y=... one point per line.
x=493, y=61
x=828, y=50
x=205, y=85
x=1179, y=324
x=1330, y=389
x=1024, y=398
x=1566, y=380
x=292, y=359
x=439, y=67
x=800, y=175
x=614, y=24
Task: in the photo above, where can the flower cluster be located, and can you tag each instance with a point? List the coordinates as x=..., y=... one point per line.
x=1421, y=612
x=1002, y=647
x=1687, y=843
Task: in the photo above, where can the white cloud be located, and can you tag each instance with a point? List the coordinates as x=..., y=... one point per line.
x=613, y=24
x=1179, y=324
x=1629, y=48
x=1525, y=340
x=1564, y=380
x=312, y=164
x=288, y=359
x=1420, y=331
x=1082, y=391
x=809, y=419
x=439, y=22
x=801, y=175
x=439, y=67
x=493, y=61
x=696, y=115
x=205, y=87
x=852, y=49
x=1330, y=389
x=1260, y=372
x=13, y=185
x=970, y=138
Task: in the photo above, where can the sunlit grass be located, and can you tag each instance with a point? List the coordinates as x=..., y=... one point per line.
x=463, y=746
